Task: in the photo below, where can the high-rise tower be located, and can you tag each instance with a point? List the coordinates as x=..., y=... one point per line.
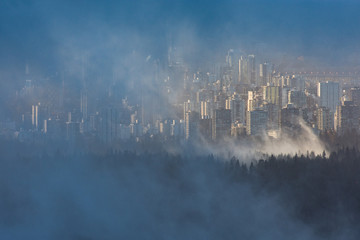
x=329, y=94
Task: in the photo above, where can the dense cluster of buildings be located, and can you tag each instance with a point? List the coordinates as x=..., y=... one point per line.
x=237, y=98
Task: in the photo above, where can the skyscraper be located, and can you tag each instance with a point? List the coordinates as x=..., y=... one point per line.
x=191, y=125
x=256, y=122
x=355, y=96
x=325, y=119
x=238, y=109
x=297, y=83
x=187, y=108
x=347, y=117
x=263, y=74
x=84, y=104
x=204, y=109
x=251, y=69
x=243, y=71
x=205, y=128
x=329, y=94
x=221, y=123
x=273, y=115
x=290, y=117
x=297, y=98
x=272, y=94
x=35, y=116
x=230, y=58
x=109, y=124
x=250, y=100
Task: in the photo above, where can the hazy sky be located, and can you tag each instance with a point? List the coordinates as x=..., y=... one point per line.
x=49, y=33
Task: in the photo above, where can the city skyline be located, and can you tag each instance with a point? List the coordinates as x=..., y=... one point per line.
x=157, y=119
x=179, y=103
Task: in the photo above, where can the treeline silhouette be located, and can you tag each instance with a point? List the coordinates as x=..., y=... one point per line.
x=323, y=192
x=171, y=196
x=318, y=190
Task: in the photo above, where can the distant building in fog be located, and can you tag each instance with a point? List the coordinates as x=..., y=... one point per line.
x=35, y=116
x=355, y=96
x=325, y=119
x=289, y=117
x=204, y=109
x=191, y=124
x=205, y=128
x=297, y=83
x=221, y=124
x=329, y=94
x=238, y=109
x=243, y=71
x=347, y=117
x=84, y=104
x=272, y=94
x=256, y=122
x=265, y=73
x=251, y=69
x=297, y=98
x=109, y=124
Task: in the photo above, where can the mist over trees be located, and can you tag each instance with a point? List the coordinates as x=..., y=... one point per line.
x=124, y=194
